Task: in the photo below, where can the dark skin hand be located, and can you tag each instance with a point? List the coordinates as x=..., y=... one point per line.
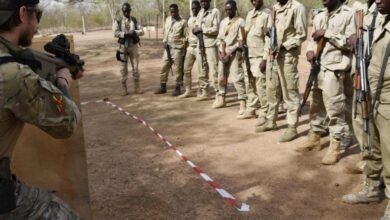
x=263, y=66
x=352, y=41
x=317, y=35
x=310, y=56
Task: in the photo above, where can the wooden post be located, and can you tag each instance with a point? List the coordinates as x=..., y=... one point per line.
x=157, y=27
x=83, y=21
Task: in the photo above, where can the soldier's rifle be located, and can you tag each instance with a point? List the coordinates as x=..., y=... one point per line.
x=273, y=41
x=245, y=53
x=181, y=76
x=315, y=69
x=202, y=50
x=169, y=55
x=362, y=92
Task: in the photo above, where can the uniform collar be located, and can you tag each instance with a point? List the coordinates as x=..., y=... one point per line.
x=255, y=12
x=372, y=9
x=279, y=7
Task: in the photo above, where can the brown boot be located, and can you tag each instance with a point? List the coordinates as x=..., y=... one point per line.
x=313, y=142
x=187, y=93
x=219, y=102
x=333, y=154
x=369, y=193
x=162, y=89
x=137, y=89
x=124, y=87
x=247, y=115
x=290, y=134
x=242, y=107
x=203, y=96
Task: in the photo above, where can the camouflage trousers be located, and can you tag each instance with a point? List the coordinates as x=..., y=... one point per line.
x=234, y=67
x=131, y=55
x=204, y=75
x=34, y=203
x=177, y=57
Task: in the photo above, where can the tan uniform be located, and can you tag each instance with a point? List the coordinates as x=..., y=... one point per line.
x=291, y=33
x=256, y=24
x=174, y=35
x=230, y=34
x=209, y=22
x=354, y=4
x=328, y=91
x=380, y=127
x=27, y=98
x=192, y=51
x=131, y=54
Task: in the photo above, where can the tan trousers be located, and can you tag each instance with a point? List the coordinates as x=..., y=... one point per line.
x=380, y=158
x=328, y=100
x=257, y=94
x=284, y=81
x=212, y=60
x=189, y=63
x=131, y=55
x=233, y=66
x=177, y=57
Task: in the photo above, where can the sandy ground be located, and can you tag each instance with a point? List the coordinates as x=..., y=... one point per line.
x=132, y=175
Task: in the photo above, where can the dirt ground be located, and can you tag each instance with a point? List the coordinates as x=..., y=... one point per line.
x=132, y=174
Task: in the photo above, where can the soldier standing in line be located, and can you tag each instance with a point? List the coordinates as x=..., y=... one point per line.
x=256, y=26
x=283, y=77
x=174, y=42
x=208, y=24
x=27, y=98
x=192, y=50
x=230, y=43
x=334, y=25
x=127, y=30
x=378, y=76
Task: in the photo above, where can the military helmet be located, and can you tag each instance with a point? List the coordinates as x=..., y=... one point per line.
x=8, y=7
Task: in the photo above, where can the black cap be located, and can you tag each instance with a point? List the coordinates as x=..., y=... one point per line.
x=8, y=7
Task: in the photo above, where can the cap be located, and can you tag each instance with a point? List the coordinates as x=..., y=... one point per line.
x=8, y=7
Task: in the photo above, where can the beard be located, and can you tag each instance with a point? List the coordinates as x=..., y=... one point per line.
x=26, y=36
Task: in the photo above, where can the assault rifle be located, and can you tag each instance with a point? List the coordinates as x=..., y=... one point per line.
x=169, y=55
x=361, y=81
x=202, y=50
x=245, y=54
x=315, y=69
x=273, y=42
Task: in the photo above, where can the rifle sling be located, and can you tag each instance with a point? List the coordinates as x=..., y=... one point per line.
x=34, y=65
x=381, y=76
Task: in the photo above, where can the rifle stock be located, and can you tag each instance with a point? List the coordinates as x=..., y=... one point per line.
x=315, y=69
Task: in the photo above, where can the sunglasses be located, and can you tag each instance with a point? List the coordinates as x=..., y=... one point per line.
x=38, y=13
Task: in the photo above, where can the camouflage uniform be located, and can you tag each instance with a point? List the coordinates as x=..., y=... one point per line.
x=121, y=26
x=256, y=26
x=328, y=93
x=174, y=36
x=27, y=98
x=209, y=22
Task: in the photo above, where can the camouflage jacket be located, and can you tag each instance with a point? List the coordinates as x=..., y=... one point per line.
x=27, y=98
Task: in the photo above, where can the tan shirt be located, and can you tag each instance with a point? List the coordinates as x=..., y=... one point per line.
x=123, y=24
x=354, y=4
x=27, y=98
x=381, y=40
x=291, y=26
x=175, y=32
x=190, y=37
x=230, y=32
x=256, y=26
x=339, y=26
x=209, y=22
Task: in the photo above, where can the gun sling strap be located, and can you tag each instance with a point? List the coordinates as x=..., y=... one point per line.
x=34, y=65
x=381, y=76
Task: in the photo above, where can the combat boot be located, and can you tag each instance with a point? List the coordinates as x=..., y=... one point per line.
x=203, y=96
x=162, y=89
x=219, y=102
x=247, y=115
x=187, y=93
x=124, y=87
x=242, y=107
x=177, y=90
x=137, y=89
x=313, y=142
x=386, y=215
x=261, y=120
x=333, y=154
x=369, y=193
x=290, y=134
x=265, y=127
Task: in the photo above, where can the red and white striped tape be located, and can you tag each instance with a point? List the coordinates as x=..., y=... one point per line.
x=231, y=200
